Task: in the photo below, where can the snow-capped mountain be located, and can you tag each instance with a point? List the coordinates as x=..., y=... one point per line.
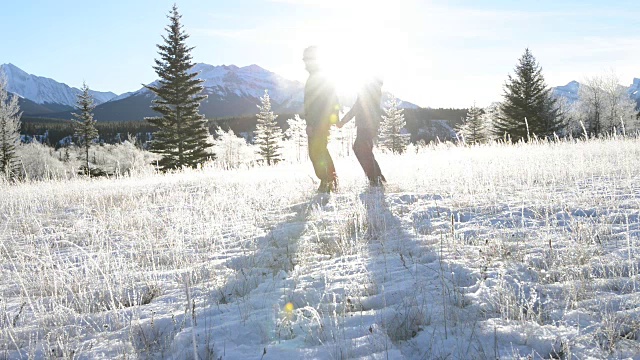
x=45, y=91
x=243, y=82
x=231, y=91
x=569, y=91
x=249, y=81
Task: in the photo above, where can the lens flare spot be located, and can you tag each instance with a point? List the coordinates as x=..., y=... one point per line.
x=288, y=308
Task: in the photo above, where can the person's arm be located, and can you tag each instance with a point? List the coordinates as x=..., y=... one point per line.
x=349, y=115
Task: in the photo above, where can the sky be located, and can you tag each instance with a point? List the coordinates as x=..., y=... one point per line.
x=432, y=53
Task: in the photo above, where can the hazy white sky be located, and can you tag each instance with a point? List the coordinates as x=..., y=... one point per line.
x=433, y=53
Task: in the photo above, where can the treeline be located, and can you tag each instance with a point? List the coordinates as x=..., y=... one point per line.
x=52, y=132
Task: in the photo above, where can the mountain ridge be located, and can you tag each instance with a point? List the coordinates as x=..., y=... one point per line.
x=231, y=91
x=44, y=91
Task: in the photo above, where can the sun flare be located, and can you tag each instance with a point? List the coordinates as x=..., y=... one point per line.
x=350, y=68
x=350, y=52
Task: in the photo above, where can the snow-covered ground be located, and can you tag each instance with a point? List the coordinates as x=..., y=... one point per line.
x=526, y=251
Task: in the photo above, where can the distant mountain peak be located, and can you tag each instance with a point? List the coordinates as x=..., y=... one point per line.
x=569, y=91
x=11, y=67
x=253, y=67
x=634, y=89
x=42, y=90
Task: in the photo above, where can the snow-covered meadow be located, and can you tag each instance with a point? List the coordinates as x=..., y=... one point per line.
x=493, y=251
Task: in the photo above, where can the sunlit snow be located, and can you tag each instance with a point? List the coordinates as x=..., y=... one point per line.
x=524, y=251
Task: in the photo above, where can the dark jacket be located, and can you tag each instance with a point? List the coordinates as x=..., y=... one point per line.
x=321, y=106
x=367, y=109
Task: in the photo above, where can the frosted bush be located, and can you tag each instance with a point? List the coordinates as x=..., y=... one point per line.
x=122, y=159
x=38, y=163
x=231, y=151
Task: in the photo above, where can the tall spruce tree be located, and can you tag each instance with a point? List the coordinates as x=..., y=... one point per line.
x=85, y=126
x=268, y=134
x=391, y=136
x=528, y=108
x=9, y=130
x=182, y=135
x=473, y=129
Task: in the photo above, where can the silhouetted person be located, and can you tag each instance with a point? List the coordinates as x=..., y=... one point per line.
x=321, y=109
x=368, y=114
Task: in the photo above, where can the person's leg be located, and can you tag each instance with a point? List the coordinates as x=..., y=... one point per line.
x=377, y=173
x=322, y=162
x=363, y=149
x=332, y=177
x=314, y=155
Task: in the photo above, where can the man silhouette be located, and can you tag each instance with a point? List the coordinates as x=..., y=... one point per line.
x=321, y=110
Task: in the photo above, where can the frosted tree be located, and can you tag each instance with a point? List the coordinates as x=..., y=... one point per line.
x=603, y=107
x=182, y=135
x=297, y=134
x=268, y=136
x=85, y=125
x=620, y=108
x=491, y=113
x=231, y=151
x=9, y=130
x=528, y=108
x=590, y=107
x=472, y=130
x=392, y=137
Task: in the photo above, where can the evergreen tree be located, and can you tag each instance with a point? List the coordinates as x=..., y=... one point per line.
x=85, y=126
x=9, y=130
x=391, y=136
x=528, y=108
x=268, y=135
x=181, y=138
x=472, y=128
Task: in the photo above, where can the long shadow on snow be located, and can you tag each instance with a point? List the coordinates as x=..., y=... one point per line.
x=271, y=253
x=414, y=289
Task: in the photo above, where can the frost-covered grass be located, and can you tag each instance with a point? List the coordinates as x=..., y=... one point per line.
x=487, y=252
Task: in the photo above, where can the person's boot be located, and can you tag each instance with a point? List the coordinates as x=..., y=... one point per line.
x=324, y=187
x=377, y=181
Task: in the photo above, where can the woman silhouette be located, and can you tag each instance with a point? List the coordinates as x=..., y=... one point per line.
x=368, y=113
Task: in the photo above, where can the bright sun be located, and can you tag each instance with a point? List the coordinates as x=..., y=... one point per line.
x=349, y=68
x=350, y=51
